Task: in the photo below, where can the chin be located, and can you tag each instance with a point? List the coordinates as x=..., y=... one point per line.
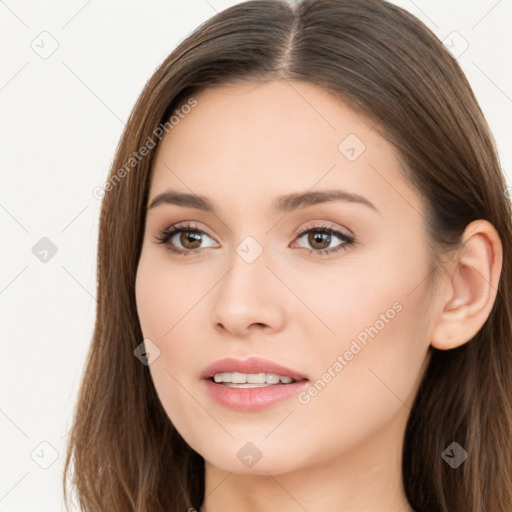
x=247, y=459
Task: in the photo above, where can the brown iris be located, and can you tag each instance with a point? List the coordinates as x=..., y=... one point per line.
x=190, y=237
x=320, y=237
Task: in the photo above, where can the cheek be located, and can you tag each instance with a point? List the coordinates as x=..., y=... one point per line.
x=163, y=299
x=370, y=360
x=168, y=299
x=165, y=294
x=149, y=296
x=378, y=299
x=361, y=389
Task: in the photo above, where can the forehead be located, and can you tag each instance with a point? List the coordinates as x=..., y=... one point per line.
x=253, y=140
x=279, y=115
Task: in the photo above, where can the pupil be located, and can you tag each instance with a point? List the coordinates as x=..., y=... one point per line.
x=190, y=240
x=317, y=237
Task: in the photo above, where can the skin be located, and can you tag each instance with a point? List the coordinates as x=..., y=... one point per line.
x=242, y=146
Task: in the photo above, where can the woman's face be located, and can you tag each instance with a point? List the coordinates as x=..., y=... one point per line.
x=333, y=291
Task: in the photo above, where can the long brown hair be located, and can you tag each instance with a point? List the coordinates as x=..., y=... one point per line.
x=385, y=64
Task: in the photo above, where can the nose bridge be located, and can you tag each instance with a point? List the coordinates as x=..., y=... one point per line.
x=248, y=273
x=248, y=294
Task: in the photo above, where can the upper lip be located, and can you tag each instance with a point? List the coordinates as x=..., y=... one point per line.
x=250, y=365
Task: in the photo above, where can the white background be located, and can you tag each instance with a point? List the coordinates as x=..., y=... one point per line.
x=60, y=120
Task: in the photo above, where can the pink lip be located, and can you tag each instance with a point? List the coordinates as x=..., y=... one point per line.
x=251, y=399
x=250, y=365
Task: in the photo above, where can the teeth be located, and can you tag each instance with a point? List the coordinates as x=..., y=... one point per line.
x=238, y=378
x=272, y=378
x=251, y=379
x=256, y=378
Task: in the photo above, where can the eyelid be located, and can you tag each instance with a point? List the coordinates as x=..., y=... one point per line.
x=323, y=224
x=185, y=226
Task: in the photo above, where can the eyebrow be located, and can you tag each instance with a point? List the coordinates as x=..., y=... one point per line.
x=285, y=204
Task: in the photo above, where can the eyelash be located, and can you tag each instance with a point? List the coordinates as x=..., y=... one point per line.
x=165, y=236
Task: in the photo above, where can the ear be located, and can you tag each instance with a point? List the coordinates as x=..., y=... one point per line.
x=472, y=286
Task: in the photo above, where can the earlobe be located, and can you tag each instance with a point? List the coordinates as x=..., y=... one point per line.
x=471, y=287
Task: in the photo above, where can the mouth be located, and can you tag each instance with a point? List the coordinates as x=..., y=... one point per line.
x=251, y=384
x=251, y=380
x=254, y=370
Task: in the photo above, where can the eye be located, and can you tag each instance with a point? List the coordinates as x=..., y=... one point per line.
x=187, y=236
x=320, y=238
x=186, y=239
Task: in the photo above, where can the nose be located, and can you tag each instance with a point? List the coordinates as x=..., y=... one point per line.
x=248, y=299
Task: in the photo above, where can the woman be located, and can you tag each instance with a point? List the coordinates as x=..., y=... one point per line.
x=304, y=296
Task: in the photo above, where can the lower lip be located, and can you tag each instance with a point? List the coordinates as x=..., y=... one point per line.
x=253, y=399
